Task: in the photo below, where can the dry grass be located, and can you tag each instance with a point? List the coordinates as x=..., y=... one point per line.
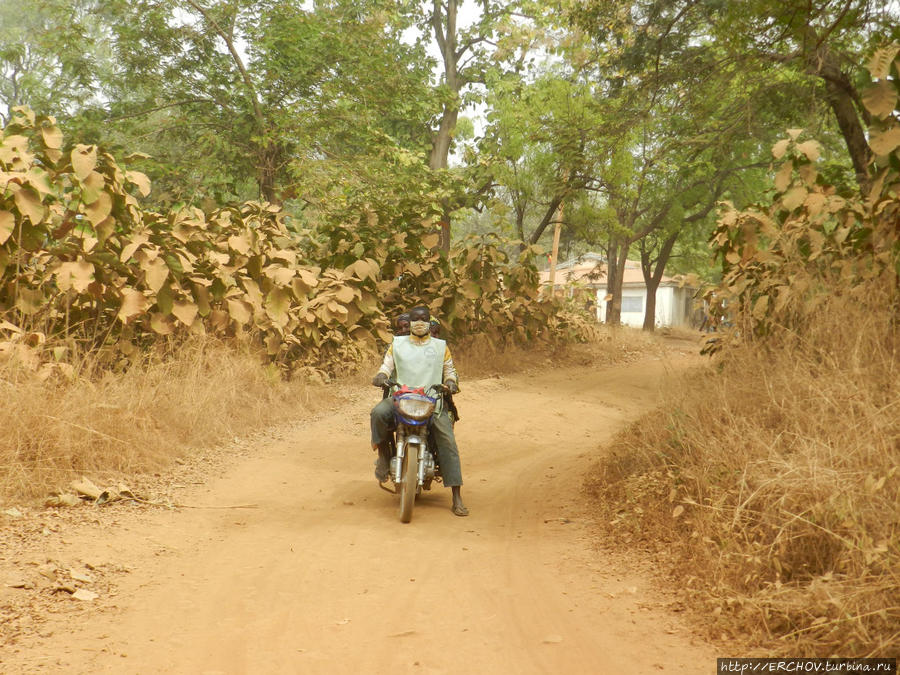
x=770, y=478
x=135, y=421
x=115, y=425
x=477, y=357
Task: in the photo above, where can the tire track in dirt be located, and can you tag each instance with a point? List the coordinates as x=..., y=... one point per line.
x=323, y=578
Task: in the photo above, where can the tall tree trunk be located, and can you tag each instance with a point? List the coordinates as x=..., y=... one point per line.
x=843, y=98
x=653, y=276
x=615, y=260
x=267, y=169
x=444, y=26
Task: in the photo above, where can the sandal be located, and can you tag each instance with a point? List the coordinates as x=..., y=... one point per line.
x=459, y=510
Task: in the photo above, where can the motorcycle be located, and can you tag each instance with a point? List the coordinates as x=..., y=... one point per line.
x=414, y=462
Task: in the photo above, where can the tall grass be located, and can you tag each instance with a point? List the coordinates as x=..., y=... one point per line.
x=477, y=356
x=134, y=421
x=770, y=477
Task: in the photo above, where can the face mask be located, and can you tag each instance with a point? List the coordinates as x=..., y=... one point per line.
x=419, y=328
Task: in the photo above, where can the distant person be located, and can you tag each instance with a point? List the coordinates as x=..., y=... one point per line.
x=434, y=327
x=401, y=324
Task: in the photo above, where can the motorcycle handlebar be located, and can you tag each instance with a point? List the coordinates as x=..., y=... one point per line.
x=440, y=388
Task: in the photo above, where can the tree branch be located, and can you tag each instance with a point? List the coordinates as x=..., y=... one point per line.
x=177, y=104
x=236, y=57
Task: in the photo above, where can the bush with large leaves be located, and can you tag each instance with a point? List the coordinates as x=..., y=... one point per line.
x=82, y=264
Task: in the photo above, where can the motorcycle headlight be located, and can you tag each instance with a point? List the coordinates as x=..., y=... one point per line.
x=415, y=407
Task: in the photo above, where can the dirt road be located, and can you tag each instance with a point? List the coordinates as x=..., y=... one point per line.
x=321, y=577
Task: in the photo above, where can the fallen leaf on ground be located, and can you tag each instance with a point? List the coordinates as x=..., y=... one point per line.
x=62, y=500
x=84, y=594
x=85, y=487
x=81, y=576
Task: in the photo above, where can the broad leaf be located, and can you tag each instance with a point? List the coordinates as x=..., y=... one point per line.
x=278, y=301
x=161, y=324
x=240, y=310
x=879, y=65
x=880, y=99
x=52, y=136
x=84, y=159
x=29, y=204
x=185, y=311
x=99, y=210
x=29, y=301
x=139, y=179
x=78, y=275
x=7, y=225
x=886, y=142
x=133, y=303
x=155, y=273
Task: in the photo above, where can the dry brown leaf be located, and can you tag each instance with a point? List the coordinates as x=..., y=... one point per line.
x=84, y=159
x=100, y=209
x=185, y=311
x=885, y=142
x=84, y=486
x=85, y=595
x=140, y=179
x=28, y=201
x=133, y=303
x=52, y=135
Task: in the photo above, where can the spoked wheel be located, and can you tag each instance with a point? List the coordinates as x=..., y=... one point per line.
x=410, y=477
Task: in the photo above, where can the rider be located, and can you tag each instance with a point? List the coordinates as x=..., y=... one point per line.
x=420, y=360
x=401, y=324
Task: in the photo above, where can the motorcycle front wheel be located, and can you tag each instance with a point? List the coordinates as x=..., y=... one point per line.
x=410, y=477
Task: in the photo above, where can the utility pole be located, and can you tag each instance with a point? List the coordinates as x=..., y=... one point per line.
x=554, y=252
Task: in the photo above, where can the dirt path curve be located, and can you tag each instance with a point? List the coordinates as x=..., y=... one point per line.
x=323, y=578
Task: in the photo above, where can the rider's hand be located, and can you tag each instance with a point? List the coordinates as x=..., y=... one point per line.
x=380, y=380
x=452, y=387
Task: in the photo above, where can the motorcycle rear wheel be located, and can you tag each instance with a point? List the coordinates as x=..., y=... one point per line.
x=410, y=477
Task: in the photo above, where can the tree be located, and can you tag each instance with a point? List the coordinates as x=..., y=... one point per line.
x=700, y=122
x=48, y=55
x=234, y=99
x=470, y=55
x=825, y=42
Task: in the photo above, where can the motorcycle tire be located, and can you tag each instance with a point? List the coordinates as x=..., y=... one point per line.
x=410, y=478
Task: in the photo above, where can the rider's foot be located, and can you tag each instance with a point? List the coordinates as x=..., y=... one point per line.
x=381, y=469
x=459, y=510
x=457, y=505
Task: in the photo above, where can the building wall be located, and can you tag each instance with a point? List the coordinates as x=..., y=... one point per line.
x=670, y=306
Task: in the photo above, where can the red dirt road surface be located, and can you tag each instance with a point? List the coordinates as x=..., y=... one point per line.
x=321, y=577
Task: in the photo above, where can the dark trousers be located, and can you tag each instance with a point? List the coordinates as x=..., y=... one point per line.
x=382, y=420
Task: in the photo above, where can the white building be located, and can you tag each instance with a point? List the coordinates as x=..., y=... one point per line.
x=674, y=300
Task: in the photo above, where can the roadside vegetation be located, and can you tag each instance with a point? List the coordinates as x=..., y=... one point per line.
x=769, y=479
